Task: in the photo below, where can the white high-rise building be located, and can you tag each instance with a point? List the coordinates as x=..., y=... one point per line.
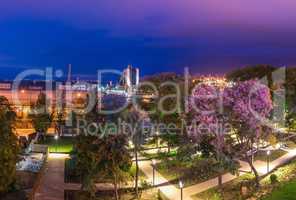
x=130, y=78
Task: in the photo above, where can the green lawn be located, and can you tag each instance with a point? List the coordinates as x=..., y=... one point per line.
x=159, y=155
x=62, y=145
x=285, y=192
x=174, y=170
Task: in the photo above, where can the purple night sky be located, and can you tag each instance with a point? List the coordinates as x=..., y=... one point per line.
x=156, y=35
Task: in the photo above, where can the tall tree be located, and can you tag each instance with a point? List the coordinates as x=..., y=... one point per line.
x=244, y=105
x=87, y=162
x=102, y=158
x=134, y=120
x=282, y=91
x=248, y=105
x=209, y=118
x=167, y=107
x=41, y=116
x=116, y=160
x=9, y=148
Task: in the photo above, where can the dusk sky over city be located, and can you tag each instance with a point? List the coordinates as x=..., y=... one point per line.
x=147, y=100
x=155, y=35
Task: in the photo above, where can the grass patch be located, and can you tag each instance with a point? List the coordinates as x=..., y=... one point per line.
x=71, y=175
x=286, y=192
x=159, y=155
x=191, y=172
x=290, y=144
x=275, y=154
x=132, y=172
x=62, y=145
x=285, y=188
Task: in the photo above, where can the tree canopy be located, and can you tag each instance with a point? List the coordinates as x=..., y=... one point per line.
x=41, y=116
x=243, y=106
x=9, y=148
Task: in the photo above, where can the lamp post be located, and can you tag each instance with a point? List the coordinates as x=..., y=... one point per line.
x=56, y=137
x=157, y=140
x=153, y=167
x=268, y=155
x=181, y=188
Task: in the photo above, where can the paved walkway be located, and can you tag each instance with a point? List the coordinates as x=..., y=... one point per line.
x=52, y=184
x=173, y=193
x=170, y=191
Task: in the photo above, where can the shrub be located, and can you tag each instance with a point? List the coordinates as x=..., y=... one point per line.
x=145, y=184
x=201, y=169
x=216, y=196
x=273, y=179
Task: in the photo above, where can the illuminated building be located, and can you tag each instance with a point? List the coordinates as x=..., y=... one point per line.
x=130, y=78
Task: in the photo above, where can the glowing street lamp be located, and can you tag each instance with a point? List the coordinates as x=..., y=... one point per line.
x=56, y=137
x=153, y=167
x=181, y=185
x=268, y=158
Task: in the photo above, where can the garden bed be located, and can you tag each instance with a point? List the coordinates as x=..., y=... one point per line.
x=159, y=155
x=174, y=171
x=71, y=176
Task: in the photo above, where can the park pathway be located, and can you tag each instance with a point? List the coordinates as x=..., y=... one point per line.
x=173, y=193
x=52, y=184
x=169, y=190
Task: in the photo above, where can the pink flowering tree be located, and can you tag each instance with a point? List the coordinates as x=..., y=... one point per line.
x=236, y=117
x=248, y=106
x=206, y=109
